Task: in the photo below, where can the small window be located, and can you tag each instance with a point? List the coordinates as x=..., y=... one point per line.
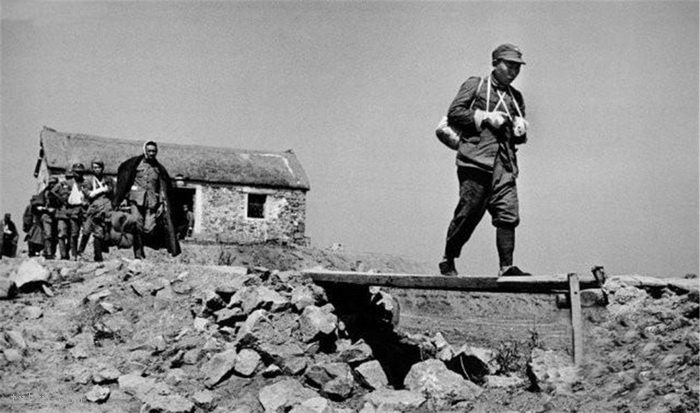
x=256, y=205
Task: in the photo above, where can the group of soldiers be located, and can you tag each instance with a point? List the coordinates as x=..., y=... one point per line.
x=130, y=212
x=63, y=216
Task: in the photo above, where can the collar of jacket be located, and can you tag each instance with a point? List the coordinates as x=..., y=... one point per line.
x=496, y=84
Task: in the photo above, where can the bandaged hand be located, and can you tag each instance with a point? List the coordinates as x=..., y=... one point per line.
x=496, y=119
x=96, y=192
x=520, y=126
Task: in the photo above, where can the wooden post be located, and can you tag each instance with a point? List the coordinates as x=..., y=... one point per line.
x=576, y=322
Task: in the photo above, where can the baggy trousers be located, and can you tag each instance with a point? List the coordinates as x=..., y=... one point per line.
x=480, y=191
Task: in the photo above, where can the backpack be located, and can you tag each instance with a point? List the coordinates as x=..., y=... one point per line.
x=448, y=136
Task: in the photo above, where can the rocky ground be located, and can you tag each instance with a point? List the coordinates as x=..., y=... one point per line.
x=254, y=335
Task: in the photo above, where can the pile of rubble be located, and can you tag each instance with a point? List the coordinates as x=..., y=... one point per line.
x=646, y=351
x=172, y=338
x=136, y=336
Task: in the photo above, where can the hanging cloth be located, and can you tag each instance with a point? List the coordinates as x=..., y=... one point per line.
x=504, y=147
x=76, y=195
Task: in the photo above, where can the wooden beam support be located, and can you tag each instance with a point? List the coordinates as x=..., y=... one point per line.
x=528, y=284
x=432, y=282
x=576, y=322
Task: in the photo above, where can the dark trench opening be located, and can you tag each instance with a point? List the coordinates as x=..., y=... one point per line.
x=365, y=320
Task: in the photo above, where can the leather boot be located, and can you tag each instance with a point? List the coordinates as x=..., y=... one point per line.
x=74, y=248
x=63, y=248
x=48, y=249
x=97, y=246
x=83, y=243
x=138, y=247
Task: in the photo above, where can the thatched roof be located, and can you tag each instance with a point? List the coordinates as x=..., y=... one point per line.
x=195, y=162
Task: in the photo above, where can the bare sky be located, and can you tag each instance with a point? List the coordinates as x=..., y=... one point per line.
x=609, y=176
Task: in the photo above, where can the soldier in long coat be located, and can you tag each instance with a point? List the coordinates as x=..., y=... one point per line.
x=145, y=184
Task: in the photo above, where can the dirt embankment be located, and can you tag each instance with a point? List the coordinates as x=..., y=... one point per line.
x=169, y=335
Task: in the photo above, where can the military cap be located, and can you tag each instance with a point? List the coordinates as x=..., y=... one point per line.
x=78, y=168
x=509, y=52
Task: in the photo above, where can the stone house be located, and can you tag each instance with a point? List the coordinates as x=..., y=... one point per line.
x=237, y=196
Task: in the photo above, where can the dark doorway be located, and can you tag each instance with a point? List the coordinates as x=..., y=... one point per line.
x=183, y=197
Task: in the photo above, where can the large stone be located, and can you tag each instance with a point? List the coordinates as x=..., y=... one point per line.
x=339, y=388
x=446, y=353
x=471, y=363
x=314, y=405
x=433, y=379
x=106, y=375
x=116, y=325
x=639, y=281
x=213, y=301
x=283, y=355
x=284, y=395
x=683, y=285
x=321, y=373
x=29, y=273
x=218, y=367
x=552, y=371
x=356, y=353
x=200, y=323
x=191, y=356
x=247, y=362
x=229, y=316
x=204, y=399
x=371, y=375
x=132, y=383
x=246, y=298
x=97, y=296
x=439, y=341
x=389, y=400
x=16, y=339
x=8, y=288
x=143, y=288
x=97, y=394
x=271, y=371
x=486, y=356
x=256, y=328
x=272, y=300
x=226, y=291
x=175, y=376
x=262, y=327
x=12, y=355
x=139, y=386
x=109, y=307
x=315, y=321
x=81, y=345
x=386, y=307
x=251, y=298
x=295, y=365
x=302, y=297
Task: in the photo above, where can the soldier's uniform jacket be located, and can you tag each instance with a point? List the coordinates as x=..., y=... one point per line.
x=103, y=197
x=480, y=148
x=62, y=192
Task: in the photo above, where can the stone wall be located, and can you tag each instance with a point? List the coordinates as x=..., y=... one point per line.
x=224, y=215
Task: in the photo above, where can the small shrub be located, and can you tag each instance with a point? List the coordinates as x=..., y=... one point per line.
x=225, y=256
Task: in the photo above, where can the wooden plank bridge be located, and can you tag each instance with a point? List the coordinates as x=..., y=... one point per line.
x=519, y=284
x=537, y=284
